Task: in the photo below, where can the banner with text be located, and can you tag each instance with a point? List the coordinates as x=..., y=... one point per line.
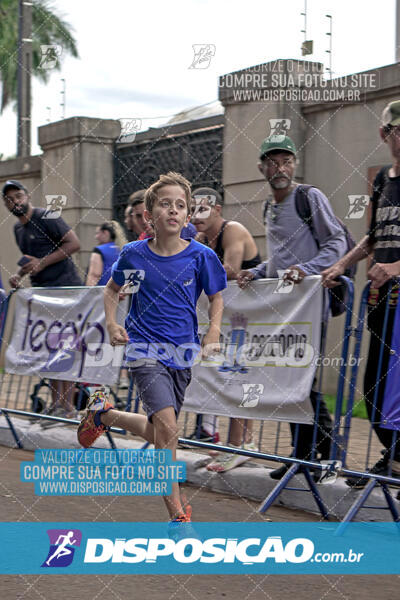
x=270, y=345
x=57, y=333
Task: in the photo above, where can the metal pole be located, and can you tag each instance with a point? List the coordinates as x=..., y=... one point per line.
x=397, y=49
x=304, y=14
x=63, y=96
x=24, y=78
x=330, y=45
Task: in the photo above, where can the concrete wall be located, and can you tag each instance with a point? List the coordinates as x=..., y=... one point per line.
x=77, y=162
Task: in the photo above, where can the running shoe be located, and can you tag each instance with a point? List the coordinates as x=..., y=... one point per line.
x=182, y=527
x=226, y=461
x=91, y=426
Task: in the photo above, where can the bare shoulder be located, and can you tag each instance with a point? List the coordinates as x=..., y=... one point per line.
x=234, y=229
x=200, y=237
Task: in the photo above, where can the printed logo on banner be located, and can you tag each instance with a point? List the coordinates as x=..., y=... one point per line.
x=54, y=205
x=203, y=54
x=284, y=286
x=251, y=394
x=357, y=206
x=133, y=279
x=59, y=361
x=61, y=353
x=62, y=547
x=235, y=344
x=279, y=129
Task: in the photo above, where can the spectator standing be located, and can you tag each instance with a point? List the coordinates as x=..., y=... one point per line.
x=383, y=243
x=301, y=250
x=47, y=245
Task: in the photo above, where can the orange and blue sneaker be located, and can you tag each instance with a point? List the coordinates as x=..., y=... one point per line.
x=91, y=426
x=181, y=527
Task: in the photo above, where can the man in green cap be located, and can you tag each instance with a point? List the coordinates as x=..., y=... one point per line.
x=383, y=242
x=299, y=248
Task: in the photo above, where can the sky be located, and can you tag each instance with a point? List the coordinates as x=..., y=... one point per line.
x=135, y=56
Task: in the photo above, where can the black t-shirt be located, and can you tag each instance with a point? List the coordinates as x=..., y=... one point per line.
x=385, y=224
x=40, y=237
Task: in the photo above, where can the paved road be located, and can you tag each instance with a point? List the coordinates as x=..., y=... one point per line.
x=18, y=503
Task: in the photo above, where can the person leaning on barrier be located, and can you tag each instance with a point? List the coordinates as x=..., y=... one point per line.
x=294, y=247
x=235, y=247
x=383, y=242
x=47, y=244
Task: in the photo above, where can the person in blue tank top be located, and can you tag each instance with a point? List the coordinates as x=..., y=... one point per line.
x=111, y=238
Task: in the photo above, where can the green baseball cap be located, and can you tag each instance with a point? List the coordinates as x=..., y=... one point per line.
x=277, y=142
x=391, y=114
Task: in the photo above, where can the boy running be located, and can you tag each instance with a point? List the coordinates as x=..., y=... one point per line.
x=167, y=275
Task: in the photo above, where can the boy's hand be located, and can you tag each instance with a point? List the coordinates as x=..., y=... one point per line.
x=117, y=334
x=210, y=344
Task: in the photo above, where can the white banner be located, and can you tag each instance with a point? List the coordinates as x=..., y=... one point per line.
x=270, y=346
x=60, y=333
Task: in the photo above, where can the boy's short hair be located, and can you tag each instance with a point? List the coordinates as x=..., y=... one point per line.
x=209, y=192
x=171, y=178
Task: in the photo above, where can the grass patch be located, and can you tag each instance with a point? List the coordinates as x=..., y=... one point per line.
x=359, y=409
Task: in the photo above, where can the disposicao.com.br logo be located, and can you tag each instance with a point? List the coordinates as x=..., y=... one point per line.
x=248, y=551
x=201, y=548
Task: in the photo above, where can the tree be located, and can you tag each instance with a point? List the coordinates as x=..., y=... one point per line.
x=48, y=29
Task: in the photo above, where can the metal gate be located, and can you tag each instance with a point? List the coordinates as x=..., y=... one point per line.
x=193, y=149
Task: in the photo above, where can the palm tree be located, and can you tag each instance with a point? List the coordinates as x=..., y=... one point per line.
x=48, y=29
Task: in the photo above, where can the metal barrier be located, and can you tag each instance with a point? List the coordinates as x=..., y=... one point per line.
x=13, y=387
x=370, y=480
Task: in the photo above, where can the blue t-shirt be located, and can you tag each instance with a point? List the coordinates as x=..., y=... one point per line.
x=188, y=232
x=162, y=321
x=109, y=253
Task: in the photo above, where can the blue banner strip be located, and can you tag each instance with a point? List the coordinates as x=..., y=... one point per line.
x=199, y=548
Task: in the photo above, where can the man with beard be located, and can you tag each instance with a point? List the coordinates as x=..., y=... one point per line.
x=300, y=249
x=46, y=244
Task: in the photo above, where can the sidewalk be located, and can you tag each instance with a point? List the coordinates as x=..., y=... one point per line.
x=250, y=480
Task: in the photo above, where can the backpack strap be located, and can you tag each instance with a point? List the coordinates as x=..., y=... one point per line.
x=381, y=179
x=303, y=207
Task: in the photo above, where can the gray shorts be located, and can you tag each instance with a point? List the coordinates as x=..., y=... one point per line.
x=159, y=386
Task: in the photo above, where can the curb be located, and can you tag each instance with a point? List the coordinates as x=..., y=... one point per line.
x=249, y=481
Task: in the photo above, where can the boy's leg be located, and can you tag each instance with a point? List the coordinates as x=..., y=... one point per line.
x=166, y=437
x=132, y=422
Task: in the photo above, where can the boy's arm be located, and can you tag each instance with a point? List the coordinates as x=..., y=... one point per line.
x=117, y=333
x=210, y=342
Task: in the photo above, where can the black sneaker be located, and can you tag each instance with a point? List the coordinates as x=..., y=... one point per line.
x=281, y=471
x=379, y=468
x=204, y=436
x=201, y=436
